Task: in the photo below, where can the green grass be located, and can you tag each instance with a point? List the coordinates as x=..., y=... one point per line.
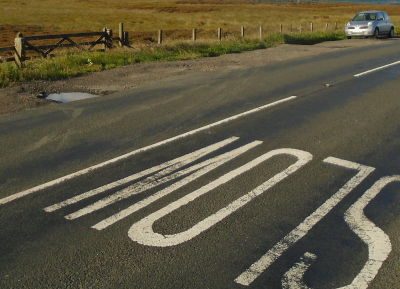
x=68, y=64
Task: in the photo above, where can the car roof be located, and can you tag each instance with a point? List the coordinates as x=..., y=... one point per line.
x=370, y=11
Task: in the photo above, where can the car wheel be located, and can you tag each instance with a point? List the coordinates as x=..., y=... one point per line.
x=376, y=33
x=348, y=37
x=391, y=33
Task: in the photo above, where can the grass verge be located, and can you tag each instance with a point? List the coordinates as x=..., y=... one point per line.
x=67, y=64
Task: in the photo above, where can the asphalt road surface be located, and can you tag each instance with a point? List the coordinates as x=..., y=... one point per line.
x=261, y=177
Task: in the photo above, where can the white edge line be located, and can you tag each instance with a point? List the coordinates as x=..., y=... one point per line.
x=89, y=169
x=378, y=68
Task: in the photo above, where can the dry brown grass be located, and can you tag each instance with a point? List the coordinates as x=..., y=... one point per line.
x=143, y=17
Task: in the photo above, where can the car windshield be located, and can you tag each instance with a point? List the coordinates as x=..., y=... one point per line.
x=365, y=17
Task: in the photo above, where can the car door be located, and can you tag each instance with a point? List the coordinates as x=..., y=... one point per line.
x=381, y=24
x=388, y=22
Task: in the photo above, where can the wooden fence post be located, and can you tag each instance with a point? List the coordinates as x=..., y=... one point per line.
x=108, y=38
x=242, y=31
x=194, y=35
x=159, y=36
x=19, y=50
x=121, y=34
x=312, y=27
x=219, y=34
x=126, y=38
x=261, y=31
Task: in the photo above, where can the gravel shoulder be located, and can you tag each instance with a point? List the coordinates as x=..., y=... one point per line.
x=24, y=96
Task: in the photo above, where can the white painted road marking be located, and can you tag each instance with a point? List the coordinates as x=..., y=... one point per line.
x=211, y=164
x=142, y=231
x=247, y=277
x=378, y=68
x=163, y=169
x=379, y=246
x=156, y=180
x=293, y=279
x=87, y=170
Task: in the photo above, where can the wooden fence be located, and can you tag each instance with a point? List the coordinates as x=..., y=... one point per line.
x=105, y=38
x=24, y=44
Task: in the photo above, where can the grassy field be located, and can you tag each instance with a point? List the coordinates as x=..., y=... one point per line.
x=143, y=17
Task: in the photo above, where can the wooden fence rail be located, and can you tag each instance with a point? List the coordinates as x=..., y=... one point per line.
x=5, y=49
x=11, y=48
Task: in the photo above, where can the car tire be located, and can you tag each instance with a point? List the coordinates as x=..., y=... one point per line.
x=376, y=33
x=348, y=37
x=391, y=33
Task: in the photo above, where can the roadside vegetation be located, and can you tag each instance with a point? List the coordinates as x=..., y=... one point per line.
x=67, y=64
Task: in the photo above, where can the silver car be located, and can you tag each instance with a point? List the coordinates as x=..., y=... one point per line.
x=370, y=23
